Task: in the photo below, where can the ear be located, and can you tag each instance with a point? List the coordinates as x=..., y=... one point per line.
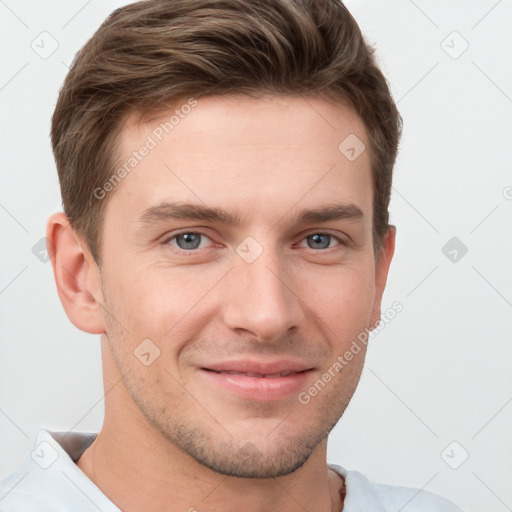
x=382, y=263
x=77, y=275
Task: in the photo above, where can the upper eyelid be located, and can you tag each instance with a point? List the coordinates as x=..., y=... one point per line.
x=167, y=239
x=340, y=239
x=323, y=232
x=174, y=234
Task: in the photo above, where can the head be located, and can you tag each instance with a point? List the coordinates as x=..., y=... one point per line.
x=226, y=168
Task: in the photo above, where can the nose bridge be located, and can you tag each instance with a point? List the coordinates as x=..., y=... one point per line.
x=259, y=297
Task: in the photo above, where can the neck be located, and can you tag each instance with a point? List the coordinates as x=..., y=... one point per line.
x=136, y=473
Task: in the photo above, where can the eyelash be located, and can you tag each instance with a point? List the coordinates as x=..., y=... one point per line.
x=167, y=241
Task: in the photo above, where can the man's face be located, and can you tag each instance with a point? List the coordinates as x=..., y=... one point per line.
x=252, y=302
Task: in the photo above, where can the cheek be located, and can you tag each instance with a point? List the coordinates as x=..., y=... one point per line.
x=158, y=302
x=142, y=304
x=342, y=298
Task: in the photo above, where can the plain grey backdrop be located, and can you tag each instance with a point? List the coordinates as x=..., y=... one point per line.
x=433, y=409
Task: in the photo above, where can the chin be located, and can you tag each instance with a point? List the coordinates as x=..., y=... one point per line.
x=268, y=456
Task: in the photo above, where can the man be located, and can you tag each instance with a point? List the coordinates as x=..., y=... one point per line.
x=225, y=168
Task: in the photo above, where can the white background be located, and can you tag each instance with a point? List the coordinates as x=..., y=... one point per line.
x=438, y=373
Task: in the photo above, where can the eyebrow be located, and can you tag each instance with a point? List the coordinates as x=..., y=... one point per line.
x=190, y=211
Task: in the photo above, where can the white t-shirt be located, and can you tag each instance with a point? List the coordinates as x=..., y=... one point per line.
x=50, y=481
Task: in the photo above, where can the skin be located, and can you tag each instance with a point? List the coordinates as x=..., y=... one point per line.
x=172, y=440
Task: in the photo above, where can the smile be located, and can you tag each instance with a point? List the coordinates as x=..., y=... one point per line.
x=257, y=375
x=258, y=381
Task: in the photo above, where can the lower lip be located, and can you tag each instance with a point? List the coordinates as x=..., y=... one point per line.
x=259, y=388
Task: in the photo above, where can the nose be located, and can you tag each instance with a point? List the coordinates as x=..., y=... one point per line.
x=259, y=299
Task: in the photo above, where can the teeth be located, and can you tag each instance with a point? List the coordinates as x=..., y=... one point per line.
x=247, y=374
x=258, y=375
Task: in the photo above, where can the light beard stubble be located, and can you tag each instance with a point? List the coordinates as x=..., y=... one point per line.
x=230, y=457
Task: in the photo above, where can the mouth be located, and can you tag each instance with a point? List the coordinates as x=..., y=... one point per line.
x=256, y=375
x=251, y=380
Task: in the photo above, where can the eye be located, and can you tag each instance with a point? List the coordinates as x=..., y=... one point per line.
x=188, y=241
x=321, y=241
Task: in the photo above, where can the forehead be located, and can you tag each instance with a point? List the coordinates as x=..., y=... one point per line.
x=264, y=154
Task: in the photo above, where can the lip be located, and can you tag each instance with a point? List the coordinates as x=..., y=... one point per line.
x=256, y=380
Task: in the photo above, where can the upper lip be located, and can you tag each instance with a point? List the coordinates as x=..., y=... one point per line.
x=259, y=367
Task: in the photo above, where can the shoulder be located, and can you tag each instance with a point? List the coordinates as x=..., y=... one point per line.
x=59, y=488
x=363, y=495
x=50, y=481
x=17, y=493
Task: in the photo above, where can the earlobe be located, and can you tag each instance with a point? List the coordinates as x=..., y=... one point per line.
x=77, y=275
x=382, y=265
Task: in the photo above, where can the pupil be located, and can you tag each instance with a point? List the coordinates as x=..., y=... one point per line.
x=320, y=241
x=188, y=241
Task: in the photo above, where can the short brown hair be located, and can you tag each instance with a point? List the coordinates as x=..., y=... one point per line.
x=155, y=52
